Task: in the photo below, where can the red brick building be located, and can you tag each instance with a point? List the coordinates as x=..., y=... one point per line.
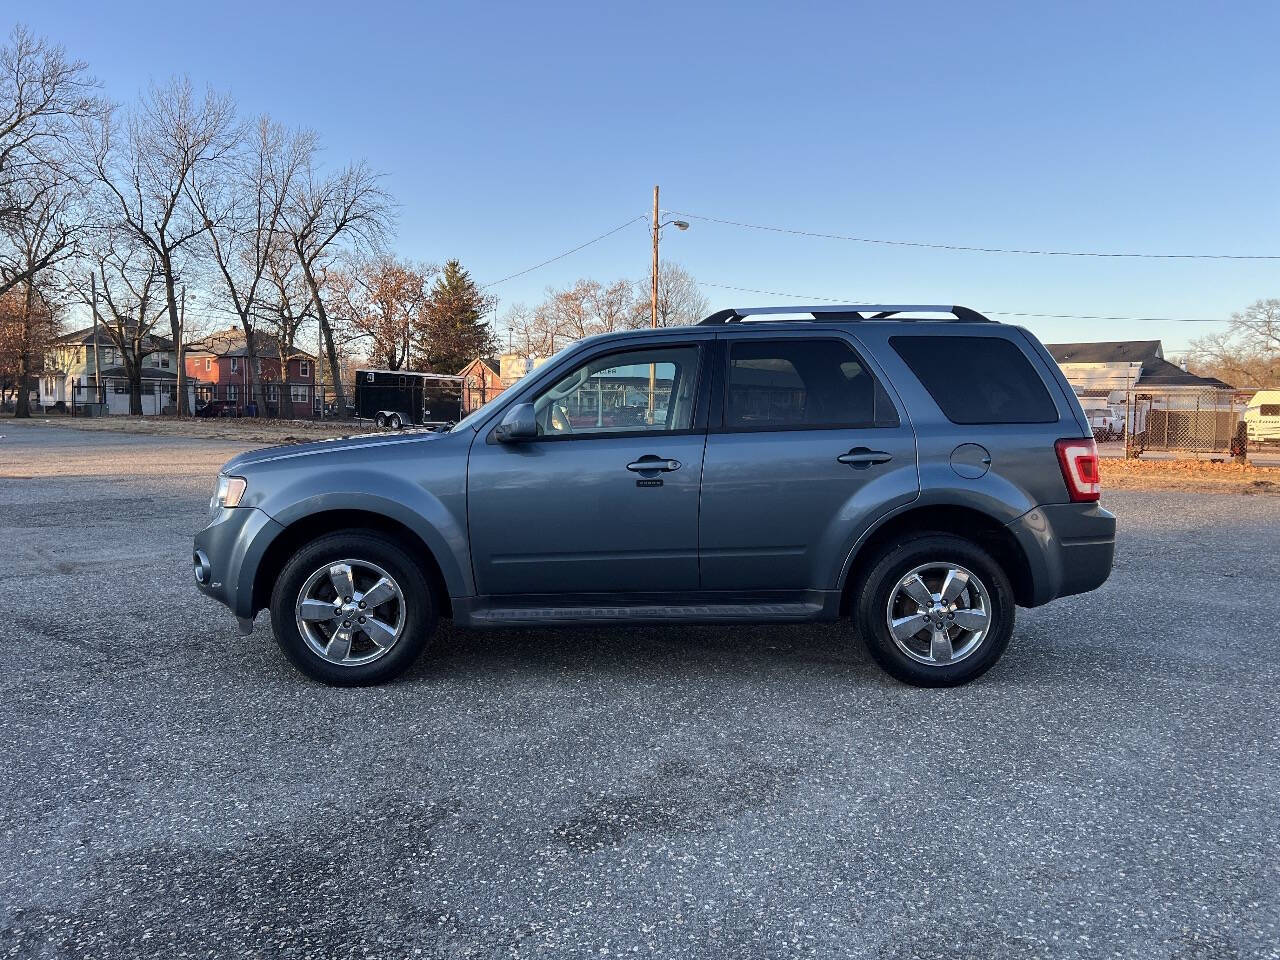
x=218, y=366
x=480, y=383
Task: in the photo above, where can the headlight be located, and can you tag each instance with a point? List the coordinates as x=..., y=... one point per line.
x=229, y=492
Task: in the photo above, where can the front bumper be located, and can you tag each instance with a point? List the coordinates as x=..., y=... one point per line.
x=227, y=553
x=1069, y=548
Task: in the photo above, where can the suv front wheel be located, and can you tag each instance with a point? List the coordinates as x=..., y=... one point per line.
x=935, y=610
x=352, y=608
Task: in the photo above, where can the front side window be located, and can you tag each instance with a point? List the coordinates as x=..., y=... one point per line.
x=649, y=389
x=798, y=384
x=1269, y=410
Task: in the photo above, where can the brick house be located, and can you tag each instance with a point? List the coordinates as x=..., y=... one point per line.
x=220, y=363
x=480, y=383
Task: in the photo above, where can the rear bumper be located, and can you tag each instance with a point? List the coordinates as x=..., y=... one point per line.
x=1069, y=548
x=227, y=553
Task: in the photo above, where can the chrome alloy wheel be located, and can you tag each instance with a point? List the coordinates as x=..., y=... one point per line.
x=350, y=612
x=939, y=613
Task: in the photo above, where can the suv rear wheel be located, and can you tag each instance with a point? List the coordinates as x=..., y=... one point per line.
x=935, y=610
x=352, y=608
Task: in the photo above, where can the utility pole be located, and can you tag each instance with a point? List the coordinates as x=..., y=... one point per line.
x=318, y=371
x=97, y=367
x=653, y=303
x=180, y=373
x=653, y=293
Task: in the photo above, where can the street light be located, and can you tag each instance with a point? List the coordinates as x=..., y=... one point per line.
x=681, y=225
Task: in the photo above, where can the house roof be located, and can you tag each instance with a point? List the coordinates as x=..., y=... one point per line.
x=1155, y=370
x=85, y=336
x=1112, y=351
x=231, y=343
x=491, y=362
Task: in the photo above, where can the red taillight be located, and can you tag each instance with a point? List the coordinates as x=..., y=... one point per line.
x=1079, y=461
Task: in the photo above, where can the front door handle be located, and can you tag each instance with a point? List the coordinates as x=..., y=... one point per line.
x=862, y=457
x=650, y=462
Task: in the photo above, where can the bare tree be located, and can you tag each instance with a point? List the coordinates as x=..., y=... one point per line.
x=39, y=239
x=287, y=306
x=325, y=214
x=680, y=301
x=130, y=300
x=1247, y=354
x=44, y=95
x=145, y=167
x=241, y=202
x=383, y=298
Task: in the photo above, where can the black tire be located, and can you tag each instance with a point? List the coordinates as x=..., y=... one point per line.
x=871, y=602
x=394, y=421
x=379, y=420
x=420, y=607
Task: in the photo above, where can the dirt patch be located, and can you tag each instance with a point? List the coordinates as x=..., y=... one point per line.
x=1192, y=475
x=246, y=430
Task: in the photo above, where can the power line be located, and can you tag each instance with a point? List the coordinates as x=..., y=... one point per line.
x=561, y=256
x=972, y=249
x=805, y=297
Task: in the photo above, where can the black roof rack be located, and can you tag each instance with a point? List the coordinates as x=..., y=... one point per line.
x=854, y=311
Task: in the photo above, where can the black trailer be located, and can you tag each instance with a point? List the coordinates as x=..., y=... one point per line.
x=399, y=398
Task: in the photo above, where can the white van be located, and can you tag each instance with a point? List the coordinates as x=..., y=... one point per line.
x=1262, y=417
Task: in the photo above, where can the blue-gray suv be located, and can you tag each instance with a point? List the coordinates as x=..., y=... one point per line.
x=919, y=470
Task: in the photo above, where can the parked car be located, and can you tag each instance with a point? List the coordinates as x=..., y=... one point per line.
x=1262, y=417
x=1106, y=424
x=919, y=478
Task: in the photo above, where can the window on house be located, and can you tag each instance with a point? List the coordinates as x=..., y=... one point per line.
x=233, y=391
x=235, y=364
x=298, y=393
x=257, y=366
x=163, y=361
x=304, y=368
x=208, y=364
x=273, y=393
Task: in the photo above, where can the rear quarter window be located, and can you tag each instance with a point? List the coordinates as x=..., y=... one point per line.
x=978, y=379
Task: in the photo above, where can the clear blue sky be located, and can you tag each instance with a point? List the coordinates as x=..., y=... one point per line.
x=512, y=132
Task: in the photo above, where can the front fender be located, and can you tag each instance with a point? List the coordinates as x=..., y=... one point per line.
x=432, y=505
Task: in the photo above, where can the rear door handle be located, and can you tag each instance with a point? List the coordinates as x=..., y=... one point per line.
x=862, y=457
x=647, y=463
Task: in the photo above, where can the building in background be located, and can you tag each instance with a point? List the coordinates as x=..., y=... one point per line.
x=219, y=364
x=68, y=381
x=1129, y=390
x=481, y=382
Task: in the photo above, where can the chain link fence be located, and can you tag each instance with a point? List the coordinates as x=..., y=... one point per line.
x=1183, y=421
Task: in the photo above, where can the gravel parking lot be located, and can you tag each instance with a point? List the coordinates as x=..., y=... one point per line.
x=173, y=789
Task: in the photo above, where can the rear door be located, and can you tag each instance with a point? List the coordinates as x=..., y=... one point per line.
x=806, y=449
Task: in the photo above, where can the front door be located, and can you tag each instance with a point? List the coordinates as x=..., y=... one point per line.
x=806, y=452
x=605, y=499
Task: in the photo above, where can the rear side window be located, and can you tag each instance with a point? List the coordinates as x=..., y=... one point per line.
x=978, y=379
x=798, y=384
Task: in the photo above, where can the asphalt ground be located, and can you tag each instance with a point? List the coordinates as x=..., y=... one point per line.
x=172, y=789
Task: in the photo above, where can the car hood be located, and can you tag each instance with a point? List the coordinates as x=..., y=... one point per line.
x=320, y=447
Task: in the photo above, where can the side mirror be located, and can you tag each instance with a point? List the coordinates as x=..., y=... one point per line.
x=520, y=423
